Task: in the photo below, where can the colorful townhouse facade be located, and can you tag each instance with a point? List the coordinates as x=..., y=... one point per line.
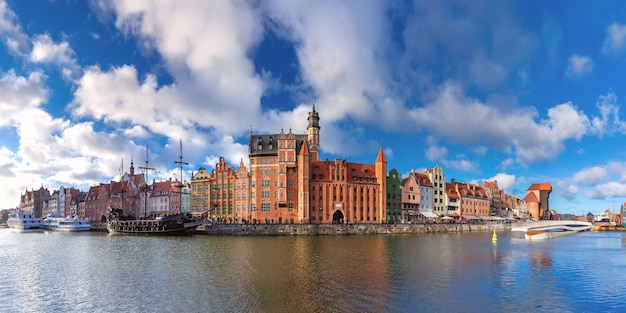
x=394, y=196
x=473, y=201
x=35, y=201
x=417, y=197
x=438, y=180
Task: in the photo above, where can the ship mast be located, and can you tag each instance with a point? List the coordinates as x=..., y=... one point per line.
x=181, y=185
x=145, y=189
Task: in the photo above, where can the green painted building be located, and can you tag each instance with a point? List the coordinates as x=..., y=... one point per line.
x=394, y=197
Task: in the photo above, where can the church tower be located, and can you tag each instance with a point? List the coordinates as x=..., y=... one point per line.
x=132, y=167
x=313, y=130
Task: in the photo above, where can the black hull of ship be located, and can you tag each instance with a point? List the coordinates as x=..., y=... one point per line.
x=135, y=228
x=173, y=225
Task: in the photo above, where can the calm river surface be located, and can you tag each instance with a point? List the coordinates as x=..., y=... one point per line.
x=94, y=272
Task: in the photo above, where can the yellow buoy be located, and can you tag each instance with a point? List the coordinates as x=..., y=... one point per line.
x=494, y=238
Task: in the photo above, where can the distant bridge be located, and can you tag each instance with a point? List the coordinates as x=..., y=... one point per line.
x=550, y=229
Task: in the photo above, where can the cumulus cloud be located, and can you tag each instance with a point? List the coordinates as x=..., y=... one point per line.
x=590, y=176
x=469, y=121
x=20, y=95
x=608, y=190
x=16, y=40
x=50, y=149
x=609, y=121
x=579, y=66
x=434, y=153
x=48, y=52
x=615, y=41
x=505, y=181
x=461, y=165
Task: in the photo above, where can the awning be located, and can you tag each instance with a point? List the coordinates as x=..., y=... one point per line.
x=429, y=214
x=486, y=218
x=470, y=217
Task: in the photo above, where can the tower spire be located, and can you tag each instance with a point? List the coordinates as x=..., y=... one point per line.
x=313, y=132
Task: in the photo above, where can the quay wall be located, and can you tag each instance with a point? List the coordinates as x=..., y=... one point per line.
x=341, y=229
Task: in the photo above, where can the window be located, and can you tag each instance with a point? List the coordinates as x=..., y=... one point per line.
x=265, y=207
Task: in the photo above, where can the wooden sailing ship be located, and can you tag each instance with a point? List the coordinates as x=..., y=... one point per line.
x=170, y=224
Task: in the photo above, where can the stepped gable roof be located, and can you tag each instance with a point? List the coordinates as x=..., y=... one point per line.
x=260, y=144
x=541, y=187
x=531, y=197
x=423, y=180
x=491, y=184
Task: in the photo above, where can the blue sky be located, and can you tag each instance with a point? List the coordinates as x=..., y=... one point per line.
x=520, y=92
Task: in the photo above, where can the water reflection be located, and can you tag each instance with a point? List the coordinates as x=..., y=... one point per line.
x=424, y=273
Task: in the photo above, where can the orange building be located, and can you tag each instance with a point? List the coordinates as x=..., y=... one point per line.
x=345, y=192
x=538, y=200
x=473, y=200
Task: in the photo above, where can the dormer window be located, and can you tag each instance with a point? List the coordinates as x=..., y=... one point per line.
x=260, y=144
x=271, y=144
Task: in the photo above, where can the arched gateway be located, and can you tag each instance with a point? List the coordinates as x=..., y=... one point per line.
x=338, y=217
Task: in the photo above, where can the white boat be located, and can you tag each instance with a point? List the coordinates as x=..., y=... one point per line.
x=24, y=221
x=70, y=223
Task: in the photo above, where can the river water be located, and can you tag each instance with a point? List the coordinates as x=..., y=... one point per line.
x=464, y=272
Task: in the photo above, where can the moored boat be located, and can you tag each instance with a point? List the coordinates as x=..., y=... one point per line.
x=172, y=224
x=70, y=223
x=24, y=221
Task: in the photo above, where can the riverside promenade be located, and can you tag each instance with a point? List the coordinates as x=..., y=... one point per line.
x=342, y=229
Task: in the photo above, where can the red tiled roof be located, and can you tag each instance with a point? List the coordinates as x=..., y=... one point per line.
x=530, y=197
x=541, y=186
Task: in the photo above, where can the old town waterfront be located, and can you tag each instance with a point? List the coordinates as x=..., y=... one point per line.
x=435, y=272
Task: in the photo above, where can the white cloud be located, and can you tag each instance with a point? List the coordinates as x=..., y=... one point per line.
x=470, y=122
x=607, y=190
x=599, y=181
x=461, y=165
x=342, y=55
x=615, y=41
x=609, y=121
x=61, y=54
x=16, y=40
x=505, y=181
x=435, y=153
x=579, y=66
x=19, y=96
x=590, y=176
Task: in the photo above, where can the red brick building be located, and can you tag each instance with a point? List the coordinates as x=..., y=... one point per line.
x=538, y=200
x=288, y=183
